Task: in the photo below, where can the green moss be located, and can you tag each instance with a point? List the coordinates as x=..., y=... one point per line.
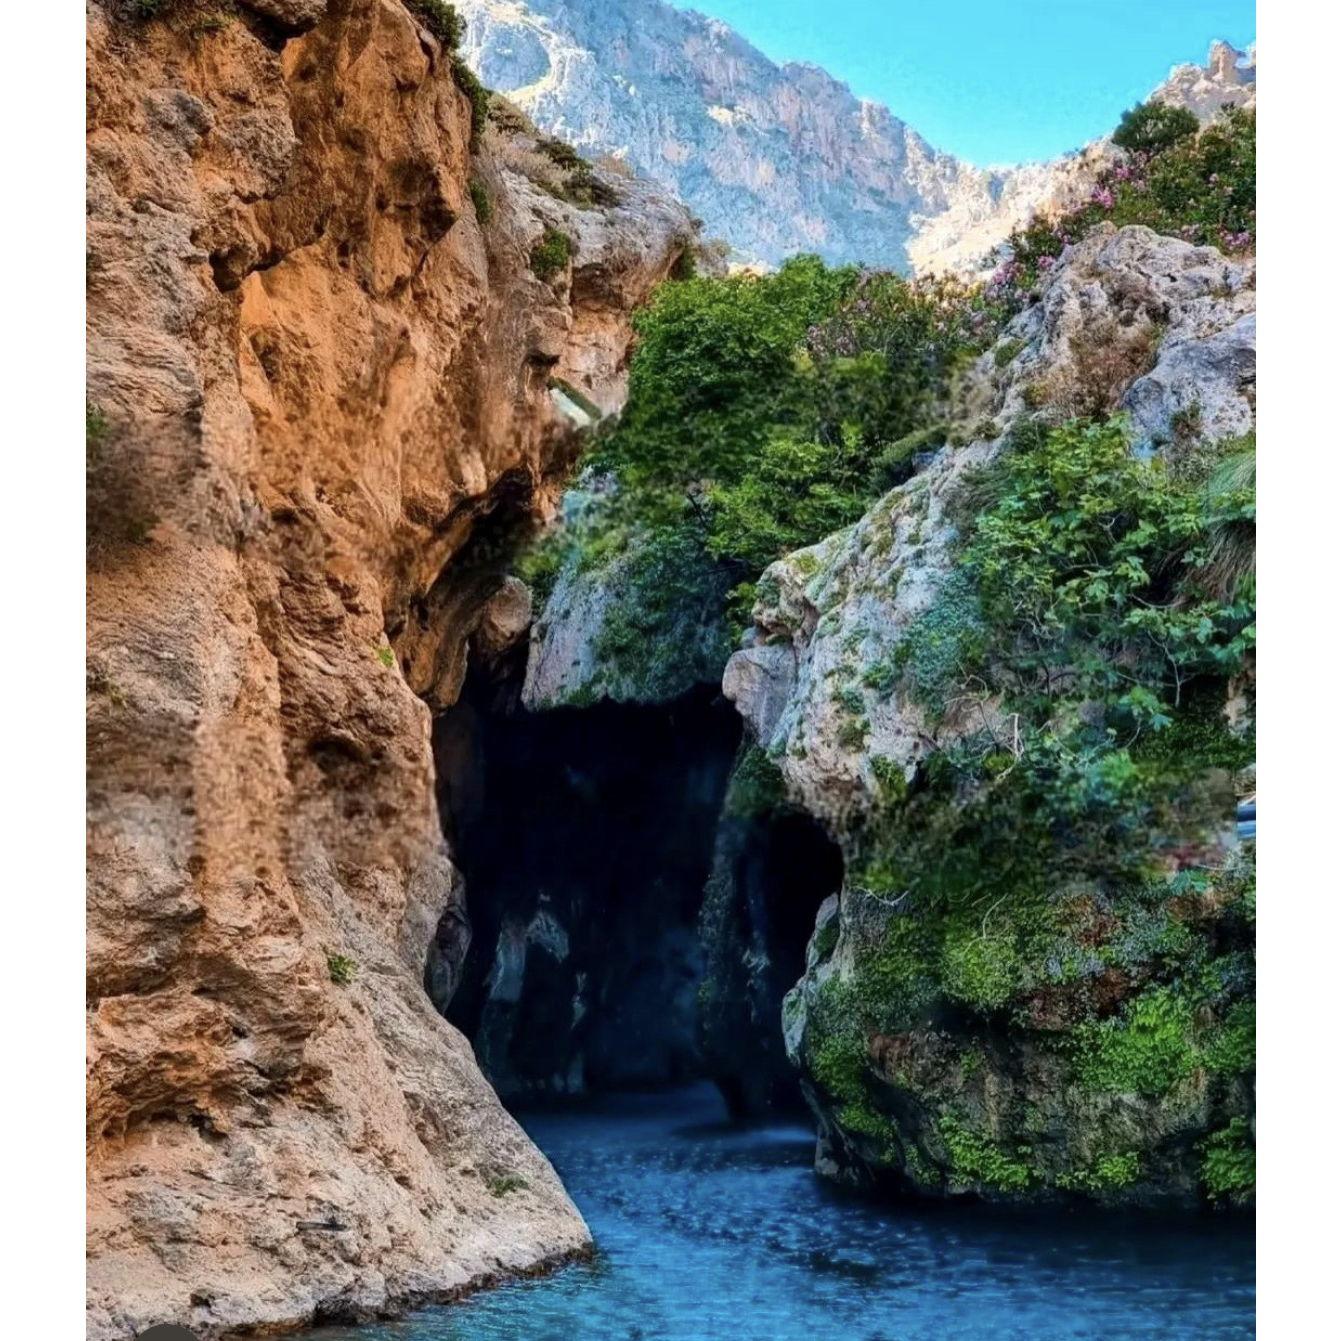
x=385, y=655
x=502, y=1184
x=1146, y=1050
x=890, y=780
x=850, y=700
x=944, y=645
x=756, y=788
x=974, y=1158
x=551, y=254
x=1232, y=1048
x=479, y=197
x=582, y=401
x=825, y=940
x=1108, y=1173
x=981, y=969
x=1229, y=1163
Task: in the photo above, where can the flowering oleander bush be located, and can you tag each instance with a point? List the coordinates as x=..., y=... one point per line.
x=1201, y=187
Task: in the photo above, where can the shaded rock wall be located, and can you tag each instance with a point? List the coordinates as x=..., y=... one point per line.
x=313, y=372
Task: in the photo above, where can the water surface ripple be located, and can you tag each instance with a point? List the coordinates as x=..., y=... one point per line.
x=710, y=1231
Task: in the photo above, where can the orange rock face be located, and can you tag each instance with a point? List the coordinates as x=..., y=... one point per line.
x=313, y=373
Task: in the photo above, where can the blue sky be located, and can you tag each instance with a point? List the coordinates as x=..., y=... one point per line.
x=993, y=81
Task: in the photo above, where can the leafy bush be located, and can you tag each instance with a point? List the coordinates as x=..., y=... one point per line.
x=1153, y=127
x=1202, y=188
x=773, y=410
x=1229, y=1163
x=1087, y=573
x=501, y=1184
x=551, y=254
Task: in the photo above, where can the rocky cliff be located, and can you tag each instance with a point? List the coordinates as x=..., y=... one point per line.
x=777, y=159
x=988, y=1008
x=325, y=311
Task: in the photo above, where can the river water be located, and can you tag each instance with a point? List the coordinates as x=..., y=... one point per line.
x=709, y=1231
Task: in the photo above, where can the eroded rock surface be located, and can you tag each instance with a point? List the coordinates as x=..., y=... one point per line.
x=313, y=373
x=1163, y=326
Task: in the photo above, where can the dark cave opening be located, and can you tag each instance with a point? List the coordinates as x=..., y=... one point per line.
x=585, y=836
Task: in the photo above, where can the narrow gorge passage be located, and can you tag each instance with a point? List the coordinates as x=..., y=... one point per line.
x=625, y=928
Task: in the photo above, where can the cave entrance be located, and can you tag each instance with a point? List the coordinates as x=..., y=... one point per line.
x=585, y=836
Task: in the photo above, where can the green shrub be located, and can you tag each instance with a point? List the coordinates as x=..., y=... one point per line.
x=1152, y=127
x=341, y=968
x=551, y=254
x=441, y=19
x=502, y=1184
x=479, y=96
x=1229, y=1163
x=1201, y=187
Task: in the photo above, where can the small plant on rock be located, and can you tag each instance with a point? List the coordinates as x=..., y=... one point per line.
x=341, y=968
x=551, y=254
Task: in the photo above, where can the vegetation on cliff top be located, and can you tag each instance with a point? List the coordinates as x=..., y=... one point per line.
x=1198, y=185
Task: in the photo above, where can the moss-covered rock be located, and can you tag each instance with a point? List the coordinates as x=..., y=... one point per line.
x=1094, y=1045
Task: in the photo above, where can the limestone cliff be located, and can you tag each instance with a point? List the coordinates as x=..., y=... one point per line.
x=320, y=349
x=778, y=159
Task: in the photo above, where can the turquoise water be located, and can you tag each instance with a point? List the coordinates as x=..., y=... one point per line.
x=709, y=1231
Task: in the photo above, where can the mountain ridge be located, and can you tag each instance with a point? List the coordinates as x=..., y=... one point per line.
x=777, y=158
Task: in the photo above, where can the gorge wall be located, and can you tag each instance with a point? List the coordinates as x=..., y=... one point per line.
x=324, y=315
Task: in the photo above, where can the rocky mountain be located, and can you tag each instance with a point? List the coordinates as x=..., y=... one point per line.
x=776, y=159
x=326, y=309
